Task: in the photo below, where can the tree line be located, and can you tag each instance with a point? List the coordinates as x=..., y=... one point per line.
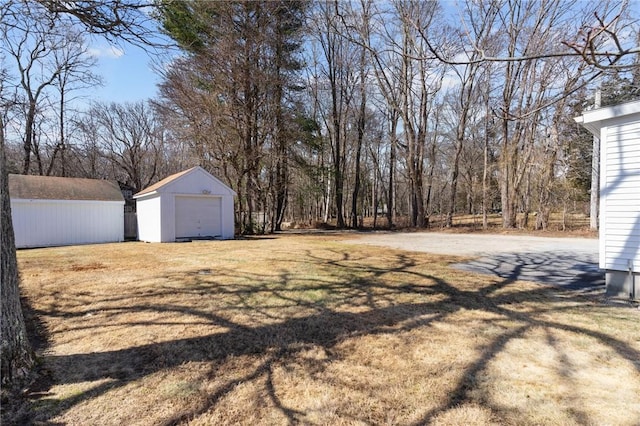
x=335, y=111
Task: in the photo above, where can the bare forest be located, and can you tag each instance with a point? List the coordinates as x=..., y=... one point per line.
x=351, y=113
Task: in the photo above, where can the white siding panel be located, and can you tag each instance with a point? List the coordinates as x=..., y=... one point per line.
x=622, y=239
x=149, y=219
x=620, y=264
x=618, y=149
x=42, y=223
x=627, y=164
x=622, y=144
x=620, y=191
x=627, y=192
x=168, y=219
x=630, y=129
x=622, y=217
x=615, y=166
x=629, y=203
x=623, y=251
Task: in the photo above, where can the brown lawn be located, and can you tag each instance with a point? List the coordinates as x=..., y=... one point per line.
x=306, y=329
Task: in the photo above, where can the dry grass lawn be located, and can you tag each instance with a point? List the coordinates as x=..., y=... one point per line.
x=308, y=330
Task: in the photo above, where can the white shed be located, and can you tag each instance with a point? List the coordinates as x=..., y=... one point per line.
x=56, y=211
x=191, y=204
x=618, y=128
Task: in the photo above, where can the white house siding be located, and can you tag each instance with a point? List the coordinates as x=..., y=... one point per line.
x=42, y=223
x=149, y=219
x=620, y=195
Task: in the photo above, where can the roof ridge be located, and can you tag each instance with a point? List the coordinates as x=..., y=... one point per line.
x=166, y=181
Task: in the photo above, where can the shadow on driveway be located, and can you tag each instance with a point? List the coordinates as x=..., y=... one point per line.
x=569, y=270
x=569, y=263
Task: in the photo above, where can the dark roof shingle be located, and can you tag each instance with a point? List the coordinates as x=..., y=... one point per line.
x=60, y=188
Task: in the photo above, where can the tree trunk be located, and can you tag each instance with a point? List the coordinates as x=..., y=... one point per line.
x=392, y=169
x=485, y=170
x=17, y=356
x=28, y=139
x=356, y=184
x=282, y=166
x=361, y=127
x=454, y=179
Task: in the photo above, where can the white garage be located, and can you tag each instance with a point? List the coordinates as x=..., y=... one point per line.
x=192, y=204
x=56, y=211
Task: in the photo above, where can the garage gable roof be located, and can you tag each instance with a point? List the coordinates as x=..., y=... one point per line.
x=165, y=184
x=61, y=188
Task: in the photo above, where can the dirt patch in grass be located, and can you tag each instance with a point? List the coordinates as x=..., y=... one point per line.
x=307, y=329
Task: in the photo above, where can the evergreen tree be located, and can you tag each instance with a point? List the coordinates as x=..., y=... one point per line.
x=237, y=79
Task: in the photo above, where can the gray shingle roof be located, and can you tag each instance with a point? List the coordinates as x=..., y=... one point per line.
x=59, y=188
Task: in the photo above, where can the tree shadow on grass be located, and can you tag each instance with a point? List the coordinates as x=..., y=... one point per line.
x=377, y=307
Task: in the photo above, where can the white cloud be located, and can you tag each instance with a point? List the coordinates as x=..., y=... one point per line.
x=111, y=52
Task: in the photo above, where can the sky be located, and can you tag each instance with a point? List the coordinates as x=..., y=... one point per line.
x=127, y=74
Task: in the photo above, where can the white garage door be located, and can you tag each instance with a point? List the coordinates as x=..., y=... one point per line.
x=198, y=216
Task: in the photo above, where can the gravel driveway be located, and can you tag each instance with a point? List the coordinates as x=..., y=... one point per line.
x=568, y=262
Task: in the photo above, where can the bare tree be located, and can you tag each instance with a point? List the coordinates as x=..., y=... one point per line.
x=480, y=28
x=386, y=70
x=130, y=138
x=30, y=43
x=420, y=81
x=129, y=21
x=350, y=17
x=604, y=35
x=337, y=74
x=361, y=127
x=408, y=82
x=74, y=65
x=16, y=356
x=45, y=57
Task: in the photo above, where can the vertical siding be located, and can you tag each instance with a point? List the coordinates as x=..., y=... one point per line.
x=168, y=223
x=620, y=197
x=42, y=223
x=228, y=219
x=149, y=216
